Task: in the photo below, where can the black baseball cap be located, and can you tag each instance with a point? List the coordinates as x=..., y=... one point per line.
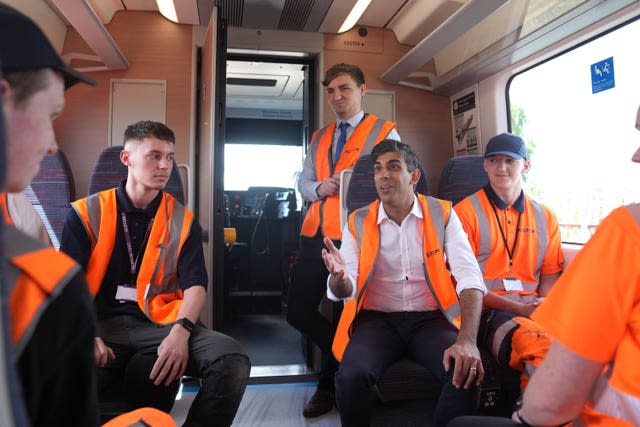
x=24, y=47
x=506, y=144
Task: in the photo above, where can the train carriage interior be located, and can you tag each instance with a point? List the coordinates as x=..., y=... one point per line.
x=239, y=83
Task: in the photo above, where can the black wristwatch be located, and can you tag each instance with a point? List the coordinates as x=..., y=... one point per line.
x=186, y=323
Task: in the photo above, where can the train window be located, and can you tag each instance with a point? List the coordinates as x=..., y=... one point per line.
x=581, y=142
x=248, y=165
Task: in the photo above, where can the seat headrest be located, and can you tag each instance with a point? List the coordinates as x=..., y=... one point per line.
x=109, y=171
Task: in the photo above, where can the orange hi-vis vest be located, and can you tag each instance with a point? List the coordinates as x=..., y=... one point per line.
x=4, y=208
x=363, y=225
x=486, y=257
x=35, y=274
x=158, y=294
x=325, y=214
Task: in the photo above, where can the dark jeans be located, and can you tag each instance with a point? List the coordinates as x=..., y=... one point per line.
x=218, y=360
x=378, y=340
x=307, y=286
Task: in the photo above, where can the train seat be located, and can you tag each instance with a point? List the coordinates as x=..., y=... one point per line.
x=461, y=177
x=109, y=171
x=51, y=192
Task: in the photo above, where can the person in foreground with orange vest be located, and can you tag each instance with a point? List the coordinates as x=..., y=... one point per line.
x=52, y=324
x=334, y=148
x=400, y=299
x=141, y=251
x=50, y=313
x=591, y=374
x=517, y=243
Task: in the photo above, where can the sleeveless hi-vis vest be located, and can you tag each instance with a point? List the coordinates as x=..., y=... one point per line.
x=363, y=225
x=158, y=294
x=325, y=214
x=35, y=275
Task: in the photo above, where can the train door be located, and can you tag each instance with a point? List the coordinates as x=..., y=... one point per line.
x=266, y=130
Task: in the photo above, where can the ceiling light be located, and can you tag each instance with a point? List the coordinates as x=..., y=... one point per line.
x=354, y=15
x=168, y=10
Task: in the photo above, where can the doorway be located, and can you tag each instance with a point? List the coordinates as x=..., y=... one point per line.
x=268, y=104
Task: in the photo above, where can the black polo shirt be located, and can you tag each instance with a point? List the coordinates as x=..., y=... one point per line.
x=75, y=242
x=500, y=204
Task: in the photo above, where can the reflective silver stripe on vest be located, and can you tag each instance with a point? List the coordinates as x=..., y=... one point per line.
x=485, y=233
x=313, y=151
x=484, y=251
x=543, y=236
x=16, y=244
x=95, y=213
x=358, y=224
x=439, y=224
x=371, y=138
x=615, y=403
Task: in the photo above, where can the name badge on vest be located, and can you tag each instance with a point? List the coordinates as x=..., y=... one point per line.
x=126, y=293
x=512, y=285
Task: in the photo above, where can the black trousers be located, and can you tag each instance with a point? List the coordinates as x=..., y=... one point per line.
x=378, y=340
x=308, y=284
x=217, y=359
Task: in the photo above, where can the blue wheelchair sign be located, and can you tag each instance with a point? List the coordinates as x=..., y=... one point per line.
x=602, y=75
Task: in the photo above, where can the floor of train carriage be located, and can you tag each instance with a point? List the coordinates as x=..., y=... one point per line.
x=265, y=405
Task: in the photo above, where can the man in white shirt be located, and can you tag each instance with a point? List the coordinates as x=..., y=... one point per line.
x=333, y=148
x=400, y=300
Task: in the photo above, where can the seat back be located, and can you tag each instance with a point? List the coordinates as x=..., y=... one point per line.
x=51, y=192
x=109, y=171
x=362, y=187
x=461, y=177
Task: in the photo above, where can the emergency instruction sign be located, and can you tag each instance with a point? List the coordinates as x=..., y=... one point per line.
x=602, y=75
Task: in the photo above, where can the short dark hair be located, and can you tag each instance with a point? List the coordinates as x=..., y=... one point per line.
x=353, y=70
x=146, y=128
x=25, y=84
x=391, y=145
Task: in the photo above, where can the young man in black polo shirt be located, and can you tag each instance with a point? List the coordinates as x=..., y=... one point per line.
x=142, y=255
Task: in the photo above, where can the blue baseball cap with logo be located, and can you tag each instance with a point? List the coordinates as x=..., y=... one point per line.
x=24, y=47
x=506, y=144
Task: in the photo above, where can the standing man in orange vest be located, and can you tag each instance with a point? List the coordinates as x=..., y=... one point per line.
x=517, y=243
x=334, y=148
x=591, y=374
x=50, y=312
x=400, y=300
x=142, y=255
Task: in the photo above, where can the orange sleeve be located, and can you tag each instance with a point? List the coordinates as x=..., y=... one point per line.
x=590, y=306
x=553, y=261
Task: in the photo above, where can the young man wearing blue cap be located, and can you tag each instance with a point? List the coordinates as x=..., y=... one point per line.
x=517, y=243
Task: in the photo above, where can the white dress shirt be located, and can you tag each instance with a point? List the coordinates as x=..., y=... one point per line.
x=307, y=181
x=397, y=282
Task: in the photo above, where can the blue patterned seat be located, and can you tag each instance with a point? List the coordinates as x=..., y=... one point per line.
x=109, y=171
x=461, y=177
x=362, y=188
x=51, y=192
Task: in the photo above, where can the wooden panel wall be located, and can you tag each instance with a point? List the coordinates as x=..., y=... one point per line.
x=156, y=49
x=423, y=118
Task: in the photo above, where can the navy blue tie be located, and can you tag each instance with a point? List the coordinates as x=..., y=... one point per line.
x=342, y=139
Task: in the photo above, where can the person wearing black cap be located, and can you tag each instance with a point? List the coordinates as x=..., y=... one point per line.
x=517, y=243
x=51, y=312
